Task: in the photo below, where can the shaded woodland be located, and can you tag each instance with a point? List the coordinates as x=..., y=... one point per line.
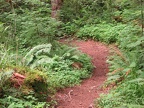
x=34, y=65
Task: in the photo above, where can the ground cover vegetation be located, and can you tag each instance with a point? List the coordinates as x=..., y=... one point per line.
x=119, y=22
x=33, y=65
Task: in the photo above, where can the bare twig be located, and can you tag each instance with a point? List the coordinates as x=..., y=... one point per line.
x=69, y=94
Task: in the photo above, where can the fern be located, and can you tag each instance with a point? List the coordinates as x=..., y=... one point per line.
x=126, y=71
x=41, y=61
x=37, y=52
x=124, y=65
x=4, y=76
x=28, y=102
x=6, y=57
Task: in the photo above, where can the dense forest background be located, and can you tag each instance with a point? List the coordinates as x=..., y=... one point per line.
x=34, y=65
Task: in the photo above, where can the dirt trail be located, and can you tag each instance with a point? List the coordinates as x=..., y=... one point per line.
x=83, y=96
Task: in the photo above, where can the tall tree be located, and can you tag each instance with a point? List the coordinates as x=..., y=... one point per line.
x=56, y=4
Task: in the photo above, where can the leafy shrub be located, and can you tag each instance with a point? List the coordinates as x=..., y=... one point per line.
x=110, y=33
x=102, y=32
x=29, y=102
x=123, y=66
x=129, y=37
x=30, y=23
x=36, y=53
x=25, y=92
x=69, y=28
x=45, y=76
x=83, y=10
x=2, y=32
x=6, y=57
x=126, y=72
x=58, y=64
x=67, y=78
x=4, y=80
x=129, y=94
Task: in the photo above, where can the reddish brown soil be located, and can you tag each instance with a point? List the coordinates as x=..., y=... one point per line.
x=83, y=96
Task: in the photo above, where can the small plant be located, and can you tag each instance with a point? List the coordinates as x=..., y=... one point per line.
x=28, y=102
x=38, y=55
x=64, y=66
x=69, y=28
x=109, y=33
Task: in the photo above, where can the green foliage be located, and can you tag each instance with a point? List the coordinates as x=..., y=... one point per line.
x=38, y=53
x=125, y=64
x=126, y=72
x=82, y=9
x=26, y=94
x=57, y=63
x=110, y=33
x=94, y=12
x=128, y=94
x=67, y=78
x=73, y=55
x=48, y=68
x=28, y=102
x=6, y=57
x=69, y=28
x=25, y=29
x=2, y=30
x=102, y=32
x=77, y=13
x=4, y=78
x=130, y=15
x=32, y=22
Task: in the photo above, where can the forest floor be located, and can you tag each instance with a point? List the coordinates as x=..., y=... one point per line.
x=84, y=95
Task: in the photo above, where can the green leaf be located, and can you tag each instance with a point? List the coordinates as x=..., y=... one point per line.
x=132, y=65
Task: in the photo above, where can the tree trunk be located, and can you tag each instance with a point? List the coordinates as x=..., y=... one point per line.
x=56, y=4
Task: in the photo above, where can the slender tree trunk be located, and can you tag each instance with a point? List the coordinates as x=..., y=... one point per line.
x=142, y=17
x=56, y=4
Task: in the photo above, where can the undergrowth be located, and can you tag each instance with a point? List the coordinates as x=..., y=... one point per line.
x=40, y=73
x=126, y=73
x=126, y=67
x=109, y=33
x=33, y=67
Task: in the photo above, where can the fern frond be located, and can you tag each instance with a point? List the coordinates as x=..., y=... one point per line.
x=4, y=76
x=44, y=60
x=37, y=51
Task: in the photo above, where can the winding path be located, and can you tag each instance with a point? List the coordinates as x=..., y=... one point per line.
x=83, y=96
